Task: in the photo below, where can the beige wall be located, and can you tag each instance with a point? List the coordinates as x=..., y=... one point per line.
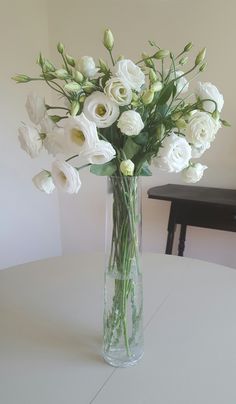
x=172, y=23
x=29, y=226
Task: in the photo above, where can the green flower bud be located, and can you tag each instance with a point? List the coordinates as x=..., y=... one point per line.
x=78, y=77
x=60, y=47
x=216, y=115
x=176, y=116
x=103, y=66
x=40, y=60
x=127, y=167
x=61, y=74
x=152, y=76
x=200, y=57
x=135, y=97
x=202, y=67
x=49, y=66
x=120, y=57
x=82, y=98
x=188, y=47
x=183, y=60
x=161, y=54
x=160, y=130
x=72, y=87
x=70, y=60
x=180, y=123
x=108, y=39
x=21, y=78
x=147, y=97
x=157, y=86
x=74, y=108
x=225, y=123
x=147, y=61
x=88, y=87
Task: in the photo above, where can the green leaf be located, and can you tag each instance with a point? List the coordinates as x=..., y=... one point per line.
x=145, y=171
x=106, y=169
x=130, y=148
x=166, y=93
x=141, y=139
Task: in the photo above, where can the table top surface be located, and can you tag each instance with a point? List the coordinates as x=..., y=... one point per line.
x=51, y=334
x=187, y=193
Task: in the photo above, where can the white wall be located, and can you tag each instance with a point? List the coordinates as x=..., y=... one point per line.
x=29, y=225
x=172, y=23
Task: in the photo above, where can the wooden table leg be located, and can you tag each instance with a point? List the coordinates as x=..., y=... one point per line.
x=182, y=240
x=171, y=230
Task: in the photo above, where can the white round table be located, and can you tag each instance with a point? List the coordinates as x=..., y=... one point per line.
x=51, y=334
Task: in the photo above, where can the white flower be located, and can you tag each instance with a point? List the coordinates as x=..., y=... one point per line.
x=55, y=142
x=127, y=167
x=198, y=151
x=43, y=181
x=118, y=91
x=174, y=155
x=35, y=106
x=65, y=177
x=87, y=67
x=81, y=133
x=101, y=153
x=30, y=140
x=46, y=124
x=129, y=73
x=130, y=123
x=101, y=109
x=209, y=91
x=201, y=129
x=193, y=173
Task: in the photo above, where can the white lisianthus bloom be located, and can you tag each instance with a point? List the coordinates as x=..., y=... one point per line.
x=30, y=140
x=43, y=181
x=127, y=167
x=46, y=124
x=209, y=91
x=130, y=123
x=100, y=109
x=101, y=153
x=65, y=177
x=174, y=155
x=56, y=142
x=87, y=67
x=118, y=91
x=81, y=133
x=201, y=129
x=129, y=73
x=35, y=107
x=193, y=173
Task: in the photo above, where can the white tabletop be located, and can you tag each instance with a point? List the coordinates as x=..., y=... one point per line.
x=51, y=327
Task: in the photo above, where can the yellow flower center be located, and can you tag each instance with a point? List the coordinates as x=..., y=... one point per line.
x=100, y=110
x=77, y=136
x=62, y=177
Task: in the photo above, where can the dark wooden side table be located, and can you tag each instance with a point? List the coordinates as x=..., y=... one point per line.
x=212, y=208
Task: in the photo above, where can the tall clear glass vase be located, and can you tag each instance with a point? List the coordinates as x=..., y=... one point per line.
x=123, y=300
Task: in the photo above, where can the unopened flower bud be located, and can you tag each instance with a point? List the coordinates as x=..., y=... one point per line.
x=78, y=77
x=147, y=97
x=40, y=60
x=72, y=87
x=160, y=130
x=180, y=123
x=74, y=108
x=61, y=74
x=49, y=66
x=88, y=87
x=183, y=60
x=60, y=47
x=216, y=115
x=188, y=47
x=147, y=61
x=202, y=67
x=176, y=116
x=82, y=98
x=120, y=57
x=200, y=57
x=103, y=66
x=152, y=76
x=161, y=54
x=157, y=86
x=225, y=123
x=108, y=39
x=21, y=78
x=127, y=167
x=70, y=60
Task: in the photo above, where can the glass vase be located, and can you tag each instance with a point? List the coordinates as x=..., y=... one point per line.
x=123, y=297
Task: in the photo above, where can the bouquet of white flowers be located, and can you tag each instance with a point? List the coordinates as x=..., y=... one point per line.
x=118, y=120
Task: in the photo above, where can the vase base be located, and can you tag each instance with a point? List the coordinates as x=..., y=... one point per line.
x=122, y=361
